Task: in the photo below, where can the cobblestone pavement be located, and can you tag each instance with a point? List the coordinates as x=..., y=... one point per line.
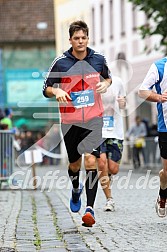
x=40, y=220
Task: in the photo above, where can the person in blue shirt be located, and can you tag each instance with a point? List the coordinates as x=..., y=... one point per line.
x=157, y=78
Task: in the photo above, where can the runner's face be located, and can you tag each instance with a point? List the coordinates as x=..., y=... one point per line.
x=79, y=41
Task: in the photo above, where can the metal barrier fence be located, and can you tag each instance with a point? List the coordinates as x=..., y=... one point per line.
x=6, y=155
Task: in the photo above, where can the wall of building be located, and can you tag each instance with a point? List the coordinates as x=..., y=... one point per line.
x=114, y=28
x=118, y=24
x=27, y=44
x=67, y=11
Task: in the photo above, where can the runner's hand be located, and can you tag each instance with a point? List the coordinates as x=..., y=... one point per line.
x=164, y=97
x=102, y=86
x=121, y=101
x=61, y=95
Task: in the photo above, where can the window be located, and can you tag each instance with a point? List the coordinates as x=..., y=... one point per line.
x=122, y=17
x=111, y=18
x=134, y=18
x=93, y=26
x=101, y=23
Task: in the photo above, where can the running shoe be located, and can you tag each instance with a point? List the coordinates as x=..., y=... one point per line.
x=88, y=217
x=160, y=207
x=110, y=205
x=75, y=201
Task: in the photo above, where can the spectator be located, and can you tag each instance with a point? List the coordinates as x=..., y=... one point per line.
x=137, y=134
x=8, y=118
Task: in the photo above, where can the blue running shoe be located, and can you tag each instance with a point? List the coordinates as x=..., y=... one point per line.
x=75, y=201
x=88, y=217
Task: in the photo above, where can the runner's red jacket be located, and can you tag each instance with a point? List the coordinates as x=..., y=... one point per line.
x=78, y=78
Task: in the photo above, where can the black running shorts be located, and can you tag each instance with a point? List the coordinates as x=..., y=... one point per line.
x=83, y=138
x=163, y=144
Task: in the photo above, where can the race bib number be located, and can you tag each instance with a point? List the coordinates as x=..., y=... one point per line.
x=82, y=98
x=108, y=122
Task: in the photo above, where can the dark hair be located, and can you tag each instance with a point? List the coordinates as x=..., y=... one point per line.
x=8, y=111
x=77, y=26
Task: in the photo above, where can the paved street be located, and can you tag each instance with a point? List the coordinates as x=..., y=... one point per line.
x=40, y=220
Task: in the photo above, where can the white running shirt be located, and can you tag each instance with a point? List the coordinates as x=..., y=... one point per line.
x=111, y=108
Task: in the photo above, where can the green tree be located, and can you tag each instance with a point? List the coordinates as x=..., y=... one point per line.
x=155, y=10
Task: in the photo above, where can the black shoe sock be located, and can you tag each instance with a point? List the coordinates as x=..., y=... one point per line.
x=91, y=186
x=74, y=176
x=163, y=193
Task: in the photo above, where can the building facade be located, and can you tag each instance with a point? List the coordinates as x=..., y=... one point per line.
x=114, y=26
x=27, y=46
x=67, y=11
